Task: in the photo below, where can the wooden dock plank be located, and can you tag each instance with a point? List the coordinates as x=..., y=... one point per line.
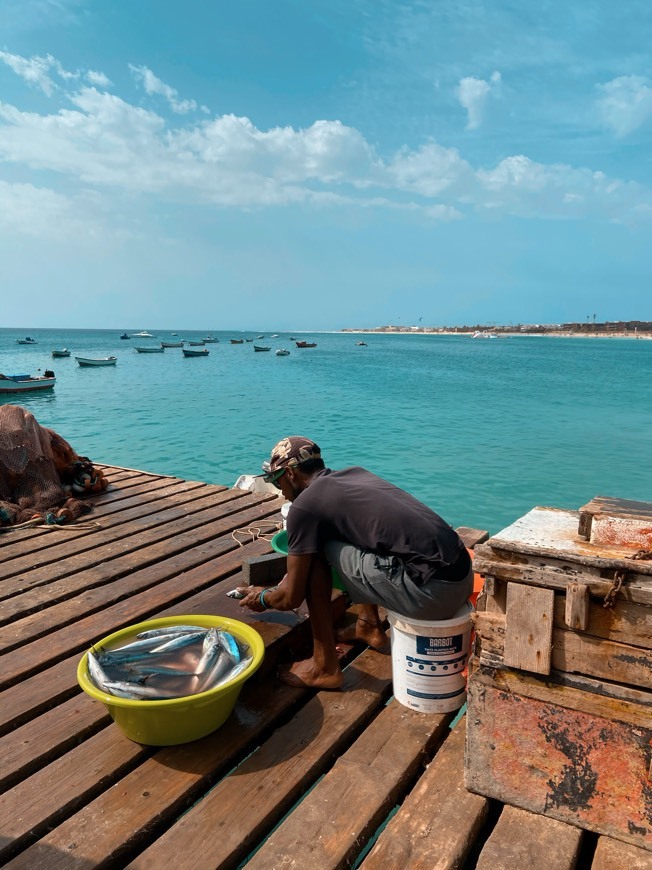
x=334, y=822
x=105, y=513
x=523, y=839
x=162, y=786
x=113, y=580
x=227, y=821
x=439, y=820
x=613, y=854
x=75, y=554
x=23, y=661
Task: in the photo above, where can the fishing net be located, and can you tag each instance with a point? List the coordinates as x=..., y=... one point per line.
x=40, y=473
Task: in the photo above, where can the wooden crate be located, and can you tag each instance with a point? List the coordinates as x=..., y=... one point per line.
x=566, y=747
x=560, y=687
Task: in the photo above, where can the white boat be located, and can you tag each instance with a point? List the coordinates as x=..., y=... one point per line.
x=191, y=352
x=171, y=344
x=61, y=353
x=484, y=334
x=27, y=383
x=26, y=340
x=282, y=352
x=100, y=361
x=143, y=334
x=149, y=349
x=210, y=340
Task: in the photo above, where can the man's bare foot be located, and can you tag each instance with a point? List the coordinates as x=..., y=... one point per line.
x=306, y=675
x=363, y=631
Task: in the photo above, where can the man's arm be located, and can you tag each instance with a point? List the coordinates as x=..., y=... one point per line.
x=290, y=592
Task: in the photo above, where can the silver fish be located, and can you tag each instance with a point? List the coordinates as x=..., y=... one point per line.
x=235, y=593
x=97, y=673
x=230, y=644
x=221, y=666
x=156, y=670
x=180, y=641
x=211, y=649
x=232, y=674
x=169, y=630
x=135, y=692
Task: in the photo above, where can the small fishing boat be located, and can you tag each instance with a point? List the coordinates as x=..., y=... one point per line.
x=196, y=343
x=275, y=335
x=98, y=361
x=188, y=352
x=27, y=383
x=149, y=349
x=26, y=340
x=171, y=344
x=237, y=340
x=125, y=336
x=361, y=343
x=61, y=353
x=248, y=339
x=306, y=344
x=258, y=337
x=282, y=352
x=210, y=340
x=260, y=349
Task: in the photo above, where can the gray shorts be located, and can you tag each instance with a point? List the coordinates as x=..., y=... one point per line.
x=383, y=580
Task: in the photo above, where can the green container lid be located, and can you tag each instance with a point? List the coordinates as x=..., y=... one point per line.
x=280, y=544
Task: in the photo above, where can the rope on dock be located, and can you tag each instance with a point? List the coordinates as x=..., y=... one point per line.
x=264, y=531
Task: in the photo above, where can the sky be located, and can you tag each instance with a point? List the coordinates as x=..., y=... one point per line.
x=325, y=164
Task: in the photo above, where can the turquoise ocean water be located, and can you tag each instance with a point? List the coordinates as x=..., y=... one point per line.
x=480, y=430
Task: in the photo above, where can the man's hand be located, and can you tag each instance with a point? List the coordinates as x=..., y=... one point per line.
x=252, y=598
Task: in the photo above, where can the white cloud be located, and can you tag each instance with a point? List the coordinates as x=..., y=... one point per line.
x=43, y=213
x=473, y=94
x=625, y=103
x=100, y=141
x=98, y=79
x=154, y=85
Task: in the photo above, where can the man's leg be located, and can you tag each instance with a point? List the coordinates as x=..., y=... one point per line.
x=322, y=671
x=368, y=629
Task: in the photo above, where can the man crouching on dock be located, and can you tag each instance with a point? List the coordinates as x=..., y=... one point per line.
x=389, y=549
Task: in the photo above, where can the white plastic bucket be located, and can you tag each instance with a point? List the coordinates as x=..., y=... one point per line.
x=429, y=659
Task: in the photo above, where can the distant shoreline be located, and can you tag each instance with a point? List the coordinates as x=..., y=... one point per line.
x=502, y=334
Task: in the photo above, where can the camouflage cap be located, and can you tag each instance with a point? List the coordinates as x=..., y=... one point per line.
x=289, y=452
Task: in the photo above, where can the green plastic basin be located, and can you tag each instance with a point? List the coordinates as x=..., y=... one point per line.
x=280, y=544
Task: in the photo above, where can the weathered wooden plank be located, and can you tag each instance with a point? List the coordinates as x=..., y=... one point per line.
x=528, y=628
x=75, y=553
x=110, y=511
x=108, y=582
x=556, y=573
x=335, y=820
x=41, y=740
x=574, y=653
x=29, y=808
x=586, y=769
x=438, y=821
x=20, y=663
x=578, y=693
x=163, y=786
x=522, y=839
x=576, y=614
x=472, y=537
x=615, y=855
x=70, y=784
x=228, y=822
x=626, y=622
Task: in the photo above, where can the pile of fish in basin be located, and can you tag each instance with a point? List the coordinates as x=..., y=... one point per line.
x=172, y=680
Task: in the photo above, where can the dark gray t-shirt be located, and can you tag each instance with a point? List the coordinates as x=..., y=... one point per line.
x=356, y=506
